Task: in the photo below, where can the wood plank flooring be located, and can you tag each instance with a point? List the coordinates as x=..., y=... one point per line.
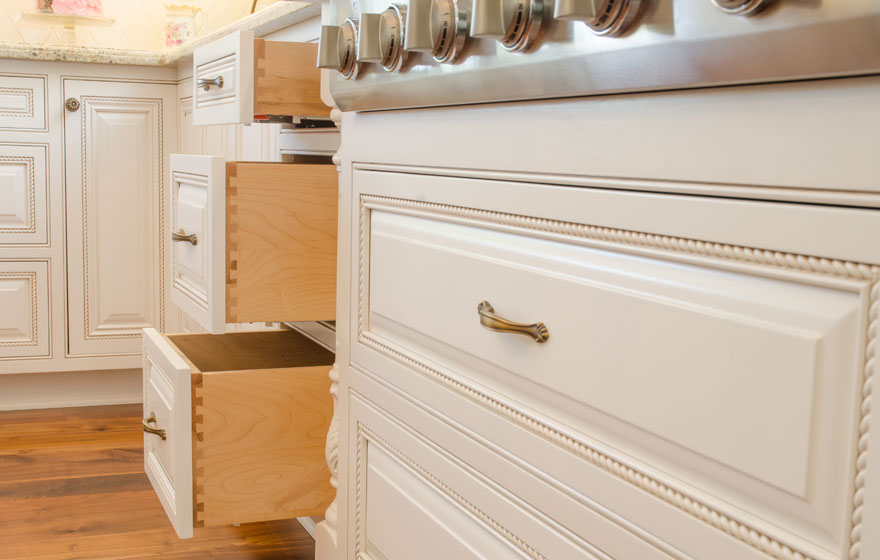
x=72, y=486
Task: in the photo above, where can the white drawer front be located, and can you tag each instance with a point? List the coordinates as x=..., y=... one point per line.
x=198, y=207
x=24, y=309
x=226, y=70
x=167, y=398
x=24, y=206
x=739, y=377
x=23, y=103
x=448, y=508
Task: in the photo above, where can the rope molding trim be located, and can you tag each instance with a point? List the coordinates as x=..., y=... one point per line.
x=365, y=435
x=31, y=226
x=31, y=278
x=87, y=331
x=678, y=499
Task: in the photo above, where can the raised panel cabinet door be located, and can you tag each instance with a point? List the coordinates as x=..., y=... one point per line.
x=115, y=163
x=23, y=194
x=24, y=309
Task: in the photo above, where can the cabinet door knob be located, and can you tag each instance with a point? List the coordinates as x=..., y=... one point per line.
x=151, y=430
x=72, y=104
x=493, y=322
x=182, y=236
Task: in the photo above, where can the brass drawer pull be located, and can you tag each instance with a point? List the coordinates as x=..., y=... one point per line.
x=151, y=430
x=206, y=83
x=493, y=322
x=182, y=236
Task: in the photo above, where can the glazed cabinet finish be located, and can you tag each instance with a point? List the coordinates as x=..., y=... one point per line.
x=81, y=239
x=714, y=329
x=245, y=418
x=706, y=387
x=115, y=167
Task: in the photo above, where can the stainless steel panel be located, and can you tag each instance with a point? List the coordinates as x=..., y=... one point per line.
x=674, y=44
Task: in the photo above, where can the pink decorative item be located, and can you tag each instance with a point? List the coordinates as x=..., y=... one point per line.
x=180, y=26
x=78, y=7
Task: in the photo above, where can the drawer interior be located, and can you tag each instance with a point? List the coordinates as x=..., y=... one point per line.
x=261, y=410
x=251, y=350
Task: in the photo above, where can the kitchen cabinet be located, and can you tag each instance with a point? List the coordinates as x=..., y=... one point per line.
x=679, y=367
x=82, y=246
x=116, y=147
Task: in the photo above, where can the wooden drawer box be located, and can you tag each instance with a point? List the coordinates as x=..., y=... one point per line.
x=238, y=77
x=254, y=241
x=235, y=426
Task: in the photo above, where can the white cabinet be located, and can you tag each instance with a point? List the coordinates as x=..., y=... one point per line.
x=116, y=146
x=704, y=389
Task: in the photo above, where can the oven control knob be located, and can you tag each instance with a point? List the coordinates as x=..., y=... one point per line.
x=437, y=27
x=602, y=17
x=337, y=48
x=368, y=38
x=740, y=7
x=392, y=33
x=515, y=23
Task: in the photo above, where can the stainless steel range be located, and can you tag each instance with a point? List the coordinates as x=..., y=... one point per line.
x=443, y=52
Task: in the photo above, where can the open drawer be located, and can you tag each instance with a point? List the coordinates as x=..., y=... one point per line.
x=235, y=426
x=252, y=241
x=237, y=77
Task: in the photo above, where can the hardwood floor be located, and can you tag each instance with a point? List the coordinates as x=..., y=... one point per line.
x=72, y=485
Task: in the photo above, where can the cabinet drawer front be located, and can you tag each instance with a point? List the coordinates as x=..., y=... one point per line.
x=24, y=301
x=167, y=399
x=198, y=207
x=23, y=103
x=730, y=371
x=229, y=60
x=24, y=207
x=449, y=508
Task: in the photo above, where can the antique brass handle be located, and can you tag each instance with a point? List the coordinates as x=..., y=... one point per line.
x=151, y=430
x=493, y=322
x=206, y=84
x=182, y=236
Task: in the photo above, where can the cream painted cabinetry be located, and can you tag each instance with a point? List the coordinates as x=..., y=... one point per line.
x=82, y=242
x=705, y=387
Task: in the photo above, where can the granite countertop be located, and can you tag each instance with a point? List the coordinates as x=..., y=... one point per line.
x=275, y=17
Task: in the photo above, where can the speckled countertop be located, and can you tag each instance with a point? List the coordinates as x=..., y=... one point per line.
x=275, y=17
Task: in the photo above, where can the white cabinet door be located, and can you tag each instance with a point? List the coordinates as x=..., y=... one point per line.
x=115, y=164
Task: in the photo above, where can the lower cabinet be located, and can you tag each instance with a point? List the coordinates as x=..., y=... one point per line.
x=235, y=426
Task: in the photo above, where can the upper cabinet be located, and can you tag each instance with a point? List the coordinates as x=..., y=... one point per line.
x=239, y=79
